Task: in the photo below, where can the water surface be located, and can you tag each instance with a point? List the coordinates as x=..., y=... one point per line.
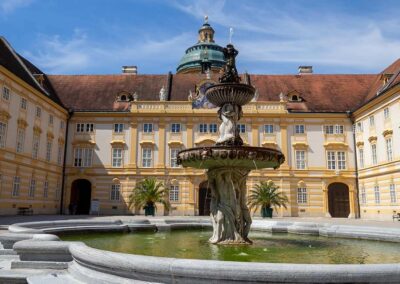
x=278, y=248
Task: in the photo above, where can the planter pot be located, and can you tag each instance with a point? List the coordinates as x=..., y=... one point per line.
x=266, y=212
x=149, y=210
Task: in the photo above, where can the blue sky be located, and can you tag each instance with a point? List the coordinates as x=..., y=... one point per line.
x=273, y=37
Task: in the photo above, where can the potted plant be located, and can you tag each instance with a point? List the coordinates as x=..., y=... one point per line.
x=266, y=195
x=147, y=194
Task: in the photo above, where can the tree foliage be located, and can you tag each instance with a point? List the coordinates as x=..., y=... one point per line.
x=265, y=195
x=149, y=192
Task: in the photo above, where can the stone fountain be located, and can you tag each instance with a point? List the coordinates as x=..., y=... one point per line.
x=229, y=162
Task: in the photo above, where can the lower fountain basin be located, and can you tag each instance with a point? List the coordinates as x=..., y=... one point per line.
x=244, y=157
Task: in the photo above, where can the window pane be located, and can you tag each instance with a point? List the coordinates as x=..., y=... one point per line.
x=268, y=128
x=213, y=128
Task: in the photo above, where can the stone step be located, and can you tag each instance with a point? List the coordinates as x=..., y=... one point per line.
x=15, y=277
x=53, y=278
x=39, y=265
x=7, y=252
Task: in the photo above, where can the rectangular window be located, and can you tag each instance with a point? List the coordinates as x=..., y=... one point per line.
x=89, y=127
x=386, y=113
x=118, y=127
x=175, y=127
x=38, y=112
x=300, y=160
x=83, y=157
x=80, y=127
x=146, y=157
x=62, y=124
x=3, y=131
x=51, y=119
x=389, y=149
x=174, y=155
x=299, y=129
x=373, y=154
x=331, y=160
x=301, y=195
x=377, y=195
x=32, y=188
x=20, y=140
x=147, y=127
x=174, y=193
x=392, y=190
x=213, y=128
x=341, y=160
x=115, y=192
x=60, y=154
x=57, y=194
x=24, y=104
x=6, y=93
x=84, y=127
x=203, y=128
x=46, y=189
x=49, y=146
x=268, y=129
x=360, y=127
x=241, y=128
x=361, y=157
x=334, y=129
x=371, y=121
x=35, y=146
x=117, y=157
x=16, y=184
x=363, y=196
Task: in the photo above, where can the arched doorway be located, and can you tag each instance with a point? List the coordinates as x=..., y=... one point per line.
x=338, y=197
x=81, y=193
x=204, y=199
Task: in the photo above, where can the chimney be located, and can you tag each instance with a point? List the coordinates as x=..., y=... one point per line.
x=303, y=70
x=132, y=70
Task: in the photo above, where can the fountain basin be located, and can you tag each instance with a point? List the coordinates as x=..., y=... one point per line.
x=234, y=93
x=244, y=157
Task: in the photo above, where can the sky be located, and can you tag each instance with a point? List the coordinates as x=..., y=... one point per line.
x=273, y=37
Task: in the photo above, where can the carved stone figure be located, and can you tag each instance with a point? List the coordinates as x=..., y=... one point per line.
x=230, y=72
x=163, y=94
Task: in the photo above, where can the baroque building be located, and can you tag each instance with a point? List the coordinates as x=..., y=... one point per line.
x=86, y=140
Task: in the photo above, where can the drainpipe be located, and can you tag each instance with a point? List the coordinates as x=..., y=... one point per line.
x=350, y=116
x=70, y=112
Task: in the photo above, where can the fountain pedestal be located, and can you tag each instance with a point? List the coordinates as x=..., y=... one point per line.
x=228, y=163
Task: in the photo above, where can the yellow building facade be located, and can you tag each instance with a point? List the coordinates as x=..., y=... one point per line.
x=96, y=136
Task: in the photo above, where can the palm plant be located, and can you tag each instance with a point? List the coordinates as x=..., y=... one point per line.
x=148, y=193
x=266, y=195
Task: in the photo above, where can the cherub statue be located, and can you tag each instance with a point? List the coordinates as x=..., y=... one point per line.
x=163, y=94
x=230, y=72
x=229, y=114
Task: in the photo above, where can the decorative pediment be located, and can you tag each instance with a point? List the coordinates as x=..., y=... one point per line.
x=175, y=143
x=387, y=132
x=89, y=143
x=372, y=139
x=147, y=143
x=117, y=142
x=336, y=145
x=37, y=130
x=4, y=115
x=50, y=135
x=360, y=144
x=300, y=145
x=61, y=140
x=22, y=123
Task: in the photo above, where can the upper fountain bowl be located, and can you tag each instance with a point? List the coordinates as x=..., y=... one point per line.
x=234, y=93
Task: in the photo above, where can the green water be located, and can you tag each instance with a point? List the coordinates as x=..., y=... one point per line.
x=284, y=248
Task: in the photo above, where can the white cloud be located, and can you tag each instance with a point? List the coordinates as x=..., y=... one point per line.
x=8, y=6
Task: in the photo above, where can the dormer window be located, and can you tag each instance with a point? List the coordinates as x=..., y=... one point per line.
x=123, y=98
x=294, y=96
x=385, y=77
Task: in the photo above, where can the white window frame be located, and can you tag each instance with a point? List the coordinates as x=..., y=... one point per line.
x=32, y=188
x=213, y=128
x=60, y=155
x=392, y=192
x=361, y=157
x=203, y=127
x=84, y=128
x=389, y=149
x=241, y=128
x=83, y=157
x=49, y=148
x=360, y=127
x=336, y=160
x=374, y=156
x=147, y=157
x=331, y=160
x=148, y=127
x=173, y=157
x=6, y=93
x=23, y=104
x=377, y=194
x=371, y=121
x=302, y=195
x=115, y=193
x=51, y=119
x=386, y=113
x=3, y=134
x=35, y=146
x=118, y=127
x=363, y=195
x=16, y=186
x=332, y=129
x=57, y=194
x=174, y=193
x=38, y=112
x=62, y=124
x=176, y=127
x=117, y=157
x=20, y=143
x=299, y=129
x=268, y=128
x=301, y=159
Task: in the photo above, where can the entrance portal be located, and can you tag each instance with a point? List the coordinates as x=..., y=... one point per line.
x=204, y=199
x=81, y=193
x=338, y=196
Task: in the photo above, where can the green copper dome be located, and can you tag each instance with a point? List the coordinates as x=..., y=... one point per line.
x=205, y=54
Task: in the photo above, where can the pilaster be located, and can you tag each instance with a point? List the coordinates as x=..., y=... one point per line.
x=133, y=146
x=161, y=145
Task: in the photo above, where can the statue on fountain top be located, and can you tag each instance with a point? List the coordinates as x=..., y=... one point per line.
x=230, y=72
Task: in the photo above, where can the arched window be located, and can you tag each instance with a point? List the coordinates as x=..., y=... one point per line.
x=123, y=98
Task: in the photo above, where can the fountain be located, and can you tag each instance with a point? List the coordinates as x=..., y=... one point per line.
x=229, y=162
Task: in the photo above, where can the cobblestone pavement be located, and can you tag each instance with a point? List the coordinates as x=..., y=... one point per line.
x=8, y=220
